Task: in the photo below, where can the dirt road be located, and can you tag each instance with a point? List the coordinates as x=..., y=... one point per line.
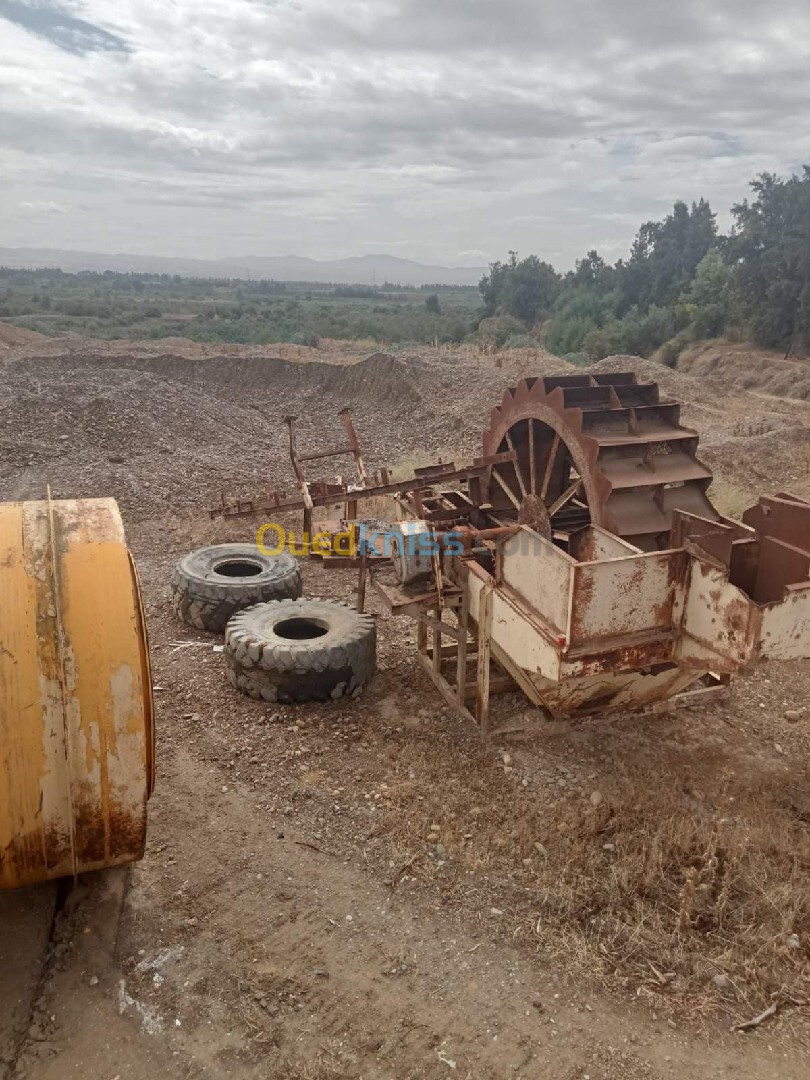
x=300, y=963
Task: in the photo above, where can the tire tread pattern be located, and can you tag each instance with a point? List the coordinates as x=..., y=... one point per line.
x=319, y=669
x=210, y=604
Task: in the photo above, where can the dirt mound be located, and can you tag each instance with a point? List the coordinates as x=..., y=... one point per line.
x=378, y=375
x=180, y=429
x=746, y=467
x=745, y=368
x=183, y=428
x=12, y=337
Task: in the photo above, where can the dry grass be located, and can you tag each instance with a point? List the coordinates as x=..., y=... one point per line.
x=659, y=885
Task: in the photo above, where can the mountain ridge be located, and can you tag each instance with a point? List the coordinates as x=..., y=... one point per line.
x=353, y=270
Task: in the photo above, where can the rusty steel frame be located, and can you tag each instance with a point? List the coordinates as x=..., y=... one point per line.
x=323, y=494
x=630, y=586
x=315, y=493
x=630, y=628
x=470, y=644
x=351, y=449
x=601, y=449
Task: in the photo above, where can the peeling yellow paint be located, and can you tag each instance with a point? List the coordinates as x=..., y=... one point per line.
x=76, y=738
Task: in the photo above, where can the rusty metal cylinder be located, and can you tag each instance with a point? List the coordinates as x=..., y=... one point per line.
x=76, y=718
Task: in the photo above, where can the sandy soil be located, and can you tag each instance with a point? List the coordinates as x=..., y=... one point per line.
x=761, y=370
x=290, y=918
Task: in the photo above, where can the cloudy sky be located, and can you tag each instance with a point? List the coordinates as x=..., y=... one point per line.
x=446, y=131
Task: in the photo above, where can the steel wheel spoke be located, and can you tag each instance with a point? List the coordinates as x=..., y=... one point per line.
x=506, y=489
x=532, y=462
x=566, y=497
x=518, y=473
x=552, y=457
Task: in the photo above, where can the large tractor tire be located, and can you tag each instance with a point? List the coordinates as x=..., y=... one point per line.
x=300, y=650
x=211, y=584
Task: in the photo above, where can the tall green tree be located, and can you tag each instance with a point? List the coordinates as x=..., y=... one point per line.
x=769, y=249
x=665, y=255
x=525, y=289
x=706, y=305
x=586, y=302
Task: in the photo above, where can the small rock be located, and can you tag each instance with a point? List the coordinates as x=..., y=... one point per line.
x=540, y=848
x=793, y=942
x=495, y=911
x=608, y=847
x=93, y=980
x=507, y=759
x=596, y=798
x=794, y=715
x=722, y=982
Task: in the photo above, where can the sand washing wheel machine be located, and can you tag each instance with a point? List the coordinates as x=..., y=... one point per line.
x=593, y=449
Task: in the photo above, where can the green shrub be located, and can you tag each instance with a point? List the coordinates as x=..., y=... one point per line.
x=671, y=350
x=520, y=341
x=497, y=329
x=306, y=337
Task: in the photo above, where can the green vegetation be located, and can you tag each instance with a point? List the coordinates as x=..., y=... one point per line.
x=113, y=305
x=682, y=281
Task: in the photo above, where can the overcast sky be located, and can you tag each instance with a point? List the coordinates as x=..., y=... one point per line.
x=446, y=131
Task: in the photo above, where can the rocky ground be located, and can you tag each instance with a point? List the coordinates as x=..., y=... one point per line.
x=363, y=889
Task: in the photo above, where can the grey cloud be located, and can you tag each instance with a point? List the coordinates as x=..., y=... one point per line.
x=455, y=124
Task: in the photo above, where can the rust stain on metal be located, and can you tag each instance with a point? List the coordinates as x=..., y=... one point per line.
x=586, y=523
x=76, y=729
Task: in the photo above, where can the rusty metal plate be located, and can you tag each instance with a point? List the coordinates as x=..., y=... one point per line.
x=76, y=732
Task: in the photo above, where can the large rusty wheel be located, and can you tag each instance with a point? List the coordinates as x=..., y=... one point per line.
x=603, y=449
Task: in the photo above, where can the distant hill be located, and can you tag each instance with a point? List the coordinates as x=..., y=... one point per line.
x=360, y=270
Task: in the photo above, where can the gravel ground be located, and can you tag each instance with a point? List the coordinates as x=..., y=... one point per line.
x=363, y=889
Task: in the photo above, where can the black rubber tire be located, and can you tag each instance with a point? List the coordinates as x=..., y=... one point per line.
x=267, y=665
x=206, y=599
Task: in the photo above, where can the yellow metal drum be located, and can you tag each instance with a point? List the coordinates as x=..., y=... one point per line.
x=76, y=726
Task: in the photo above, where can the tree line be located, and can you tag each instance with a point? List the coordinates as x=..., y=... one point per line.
x=682, y=281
